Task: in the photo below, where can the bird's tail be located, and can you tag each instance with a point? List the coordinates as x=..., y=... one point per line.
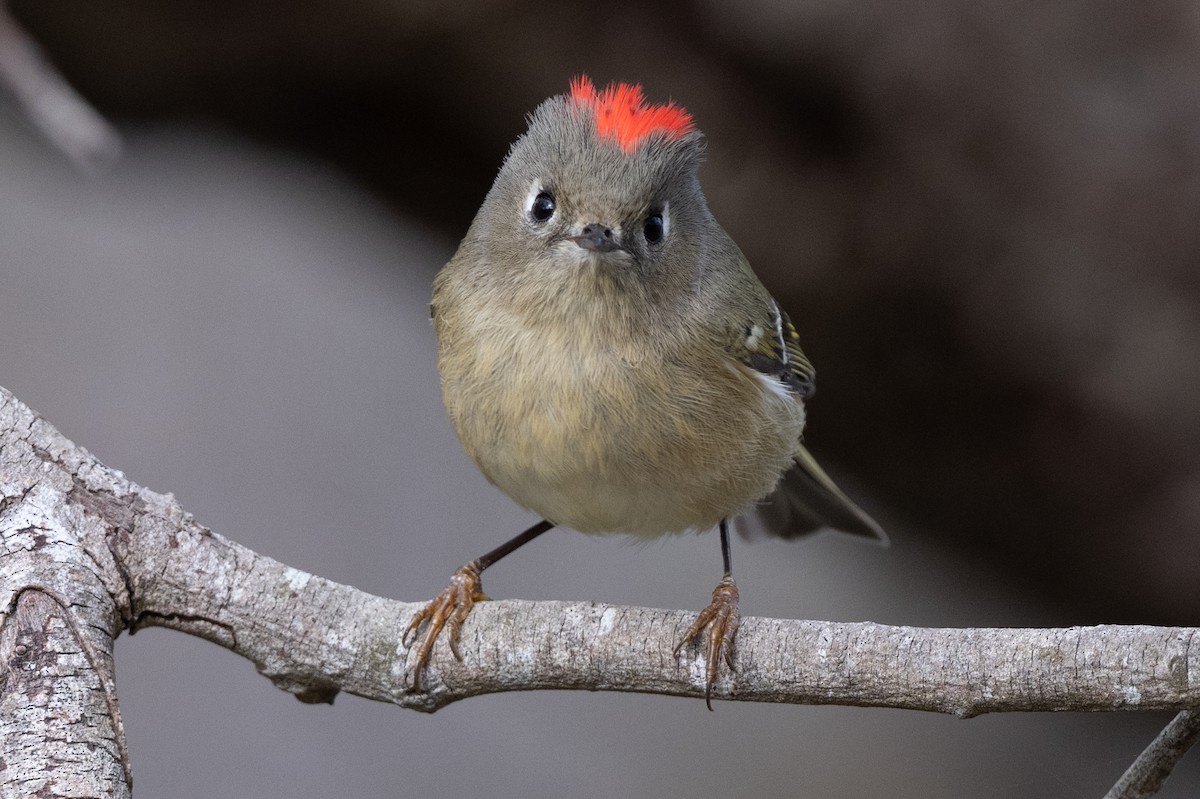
x=805, y=501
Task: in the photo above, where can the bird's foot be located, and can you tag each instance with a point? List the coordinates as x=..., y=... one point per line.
x=721, y=617
x=449, y=609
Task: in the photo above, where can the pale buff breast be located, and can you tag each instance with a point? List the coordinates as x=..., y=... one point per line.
x=602, y=439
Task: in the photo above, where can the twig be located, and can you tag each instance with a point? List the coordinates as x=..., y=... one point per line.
x=56, y=109
x=1152, y=767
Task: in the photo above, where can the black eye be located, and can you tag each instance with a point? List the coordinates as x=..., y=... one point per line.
x=543, y=207
x=653, y=228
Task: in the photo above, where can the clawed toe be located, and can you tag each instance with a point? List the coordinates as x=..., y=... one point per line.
x=448, y=610
x=721, y=618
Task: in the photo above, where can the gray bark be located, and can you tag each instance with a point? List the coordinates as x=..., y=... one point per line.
x=85, y=553
x=63, y=600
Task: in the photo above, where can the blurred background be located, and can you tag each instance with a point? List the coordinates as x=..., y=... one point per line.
x=981, y=216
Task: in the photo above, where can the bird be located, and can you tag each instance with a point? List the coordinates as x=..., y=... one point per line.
x=609, y=360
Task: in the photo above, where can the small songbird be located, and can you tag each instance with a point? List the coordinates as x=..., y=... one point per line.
x=609, y=360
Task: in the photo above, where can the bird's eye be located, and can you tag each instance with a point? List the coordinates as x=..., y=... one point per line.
x=653, y=228
x=543, y=207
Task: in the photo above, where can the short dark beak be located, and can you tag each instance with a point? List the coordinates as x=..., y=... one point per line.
x=597, y=237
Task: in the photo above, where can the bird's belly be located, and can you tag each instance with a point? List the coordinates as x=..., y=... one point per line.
x=608, y=444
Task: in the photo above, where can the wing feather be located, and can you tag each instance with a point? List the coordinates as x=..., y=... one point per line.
x=772, y=346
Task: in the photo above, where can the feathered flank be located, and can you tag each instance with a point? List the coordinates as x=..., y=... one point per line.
x=623, y=114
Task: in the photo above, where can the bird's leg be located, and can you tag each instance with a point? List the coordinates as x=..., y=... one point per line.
x=721, y=617
x=451, y=607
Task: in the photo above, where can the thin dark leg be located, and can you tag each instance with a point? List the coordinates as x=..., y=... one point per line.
x=726, y=553
x=720, y=618
x=524, y=538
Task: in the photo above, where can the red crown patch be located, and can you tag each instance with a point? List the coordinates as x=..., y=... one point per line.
x=623, y=114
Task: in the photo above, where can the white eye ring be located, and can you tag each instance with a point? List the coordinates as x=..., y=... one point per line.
x=540, y=204
x=661, y=230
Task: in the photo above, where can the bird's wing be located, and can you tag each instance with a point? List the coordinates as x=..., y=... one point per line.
x=771, y=346
x=806, y=499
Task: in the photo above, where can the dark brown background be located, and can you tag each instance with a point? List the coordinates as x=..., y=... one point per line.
x=982, y=217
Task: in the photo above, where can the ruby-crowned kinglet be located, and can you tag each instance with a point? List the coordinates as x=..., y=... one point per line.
x=610, y=361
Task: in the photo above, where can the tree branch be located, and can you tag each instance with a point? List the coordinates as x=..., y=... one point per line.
x=153, y=565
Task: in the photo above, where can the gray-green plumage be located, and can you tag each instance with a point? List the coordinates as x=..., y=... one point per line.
x=612, y=382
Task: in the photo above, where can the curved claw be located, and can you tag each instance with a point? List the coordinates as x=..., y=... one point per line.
x=722, y=619
x=448, y=609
